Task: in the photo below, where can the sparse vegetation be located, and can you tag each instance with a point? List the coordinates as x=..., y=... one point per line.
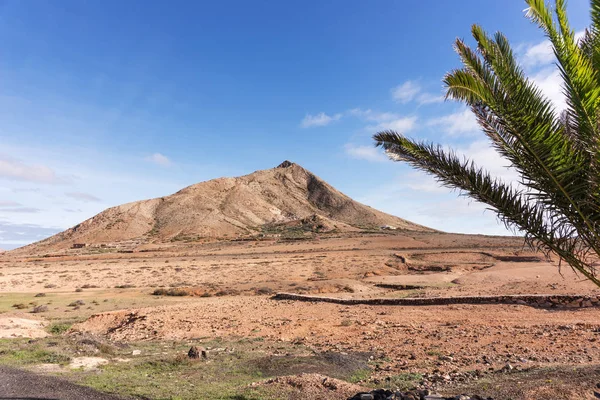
x=227, y=376
x=264, y=290
x=170, y=292
x=403, y=381
x=19, y=352
x=58, y=328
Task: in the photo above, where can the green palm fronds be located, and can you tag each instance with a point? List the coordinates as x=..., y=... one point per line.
x=556, y=154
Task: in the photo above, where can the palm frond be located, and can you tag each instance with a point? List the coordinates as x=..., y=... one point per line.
x=545, y=227
x=556, y=153
x=581, y=85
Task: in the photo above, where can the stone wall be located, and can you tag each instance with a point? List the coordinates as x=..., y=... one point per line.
x=534, y=300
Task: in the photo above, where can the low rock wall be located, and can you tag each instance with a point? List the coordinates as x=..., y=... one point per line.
x=534, y=300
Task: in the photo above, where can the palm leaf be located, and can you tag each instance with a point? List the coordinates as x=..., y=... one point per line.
x=557, y=154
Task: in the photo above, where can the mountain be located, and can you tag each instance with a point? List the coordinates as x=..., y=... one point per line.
x=266, y=201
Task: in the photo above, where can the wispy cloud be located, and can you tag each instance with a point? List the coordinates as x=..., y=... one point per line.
x=20, y=210
x=370, y=115
x=17, y=170
x=320, y=119
x=86, y=197
x=457, y=124
x=430, y=98
x=368, y=153
x=538, y=54
x=9, y=204
x=383, y=120
x=541, y=54
x=551, y=84
x=484, y=155
x=14, y=235
x=26, y=190
x=159, y=159
x=406, y=92
x=412, y=91
x=401, y=125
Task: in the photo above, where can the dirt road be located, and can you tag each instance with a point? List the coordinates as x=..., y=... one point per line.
x=20, y=384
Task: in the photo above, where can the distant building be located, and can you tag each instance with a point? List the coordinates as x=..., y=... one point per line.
x=79, y=245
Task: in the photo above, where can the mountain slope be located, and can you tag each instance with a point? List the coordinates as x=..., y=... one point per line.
x=230, y=207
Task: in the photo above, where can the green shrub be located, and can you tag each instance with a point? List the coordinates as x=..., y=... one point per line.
x=170, y=292
x=59, y=328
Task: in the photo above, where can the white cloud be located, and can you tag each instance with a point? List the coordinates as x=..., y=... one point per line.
x=418, y=197
x=320, y=119
x=421, y=182
x=82, y=196
x=484, y=155
x=368, y=153
x=26, y=190
x=406, y=92
x=429, y=98
x=20, y=210
x=159, y=159
x=371, y=115
x=457, y=124
x=400, y=125
x=550, y=83
x=9, y=204
x=541, y=54
x=17, y=170
x=15, y=235
x=384, y=120
x=411, y=90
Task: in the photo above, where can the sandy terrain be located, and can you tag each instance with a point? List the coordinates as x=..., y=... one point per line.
x=233, y=282
x=444, y=264
x=415, y=338
x=12, y=326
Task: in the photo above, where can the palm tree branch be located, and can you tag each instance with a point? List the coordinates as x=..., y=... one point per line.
x=580, y=78
x=511, y=206
x=506, y=102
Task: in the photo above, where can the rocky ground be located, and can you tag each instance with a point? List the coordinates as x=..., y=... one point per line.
x=416, y=339
x=488, y=350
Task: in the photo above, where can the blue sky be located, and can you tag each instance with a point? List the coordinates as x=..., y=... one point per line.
x=106, y=102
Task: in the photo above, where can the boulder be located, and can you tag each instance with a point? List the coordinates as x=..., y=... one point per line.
x=196, y=352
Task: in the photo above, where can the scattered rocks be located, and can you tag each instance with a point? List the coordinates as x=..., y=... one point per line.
x=40, y=309
x=383, y=394
x=312, y=386
x=196, y=352
x=507, y=368
x=87, y=363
